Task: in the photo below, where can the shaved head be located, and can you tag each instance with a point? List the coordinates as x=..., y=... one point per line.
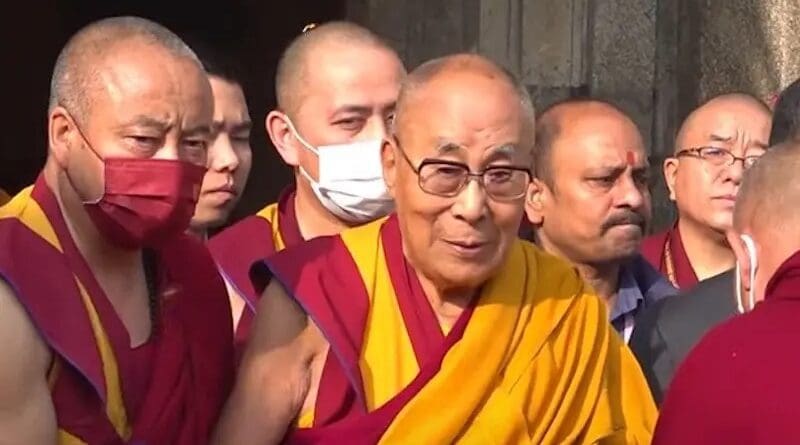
x=75, y=76
x=455, y=65
x=698, y=120
x=459, y=113
x=551, y=122
x=298, y=58
x=770, y=193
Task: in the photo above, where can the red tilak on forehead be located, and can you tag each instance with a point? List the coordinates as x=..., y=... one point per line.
x=630, y=157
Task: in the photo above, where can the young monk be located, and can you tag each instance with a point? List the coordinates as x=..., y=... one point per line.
x=336, y=87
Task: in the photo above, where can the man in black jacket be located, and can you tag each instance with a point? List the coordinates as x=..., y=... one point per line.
x=668, y=330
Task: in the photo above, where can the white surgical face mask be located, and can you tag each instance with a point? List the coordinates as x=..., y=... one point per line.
x=750, y=247
x=350, y=184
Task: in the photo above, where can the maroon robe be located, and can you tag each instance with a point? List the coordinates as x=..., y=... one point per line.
x=244, y=245
x=740, y=384
x=173, y=387
x=665, y=252
x=322, y=277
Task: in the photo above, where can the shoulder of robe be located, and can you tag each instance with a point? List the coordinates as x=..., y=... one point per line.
x=189, y=263
x=248, y=232
x=555, y=276
x=560, y=290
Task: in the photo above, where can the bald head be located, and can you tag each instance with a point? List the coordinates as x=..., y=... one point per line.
x=459, y=67
x=455, y=116
x=307, y=49
x=552, y=122
x=717, y=112
x=770, y=193
x=76, y=73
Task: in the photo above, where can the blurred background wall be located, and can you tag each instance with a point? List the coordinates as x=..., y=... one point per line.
x=657, y=59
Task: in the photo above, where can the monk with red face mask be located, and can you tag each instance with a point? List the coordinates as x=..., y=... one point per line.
x=115, y=325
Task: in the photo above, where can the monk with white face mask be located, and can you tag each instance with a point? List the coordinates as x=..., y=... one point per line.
x=336, y=86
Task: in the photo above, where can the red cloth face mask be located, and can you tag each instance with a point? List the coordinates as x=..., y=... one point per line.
x=145, y=201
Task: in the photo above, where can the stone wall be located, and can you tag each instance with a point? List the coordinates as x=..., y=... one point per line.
x=657, y=59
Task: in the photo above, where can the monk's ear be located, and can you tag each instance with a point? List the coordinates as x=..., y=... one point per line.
x=389, y=163
x=670, y=173
x=282, y=137
x=534, y=205
x=62, y=132
x=742, y=259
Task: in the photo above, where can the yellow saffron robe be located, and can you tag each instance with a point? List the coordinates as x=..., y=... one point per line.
x=535, y=363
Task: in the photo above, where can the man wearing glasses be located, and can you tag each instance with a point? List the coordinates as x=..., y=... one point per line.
x=438, y=324
x=714, y=146
x=667, y=331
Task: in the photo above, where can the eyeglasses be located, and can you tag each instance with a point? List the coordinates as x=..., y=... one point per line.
x=718, y=156
x=447, y=178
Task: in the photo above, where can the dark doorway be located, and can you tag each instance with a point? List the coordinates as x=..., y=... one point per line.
x=255, y=31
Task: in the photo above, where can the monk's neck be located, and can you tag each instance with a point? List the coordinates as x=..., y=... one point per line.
x=100, y=254
x=447, y=304
x=708, y=251
x=313, y=218
x=604, y=279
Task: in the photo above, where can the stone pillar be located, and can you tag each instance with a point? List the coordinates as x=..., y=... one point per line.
x=747, y=45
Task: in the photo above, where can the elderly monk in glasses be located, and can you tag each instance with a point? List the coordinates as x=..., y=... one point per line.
x=437, y=324
x=715, y=144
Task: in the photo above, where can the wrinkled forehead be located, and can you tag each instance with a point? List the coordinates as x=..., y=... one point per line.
x=728, y=125
x=153, y=83
x=472, y=111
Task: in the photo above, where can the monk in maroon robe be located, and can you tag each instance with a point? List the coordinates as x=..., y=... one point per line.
x=115, y=324
x=345, y=80
x=715, y=144
x=739, y=385
x=438, y=325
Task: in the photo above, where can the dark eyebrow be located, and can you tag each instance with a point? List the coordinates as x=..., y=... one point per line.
x=200, y=130
x=718, y=138
x=242, y=127
x=148, y=121
x=355, y=109
x=389, y=108
x=606, y=170
x=445, y=148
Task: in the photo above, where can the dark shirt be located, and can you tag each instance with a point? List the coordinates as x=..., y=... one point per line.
x=640, y=286
x=668, y=330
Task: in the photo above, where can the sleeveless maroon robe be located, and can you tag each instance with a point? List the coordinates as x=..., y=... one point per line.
x=244, y=245
x=176, y=397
